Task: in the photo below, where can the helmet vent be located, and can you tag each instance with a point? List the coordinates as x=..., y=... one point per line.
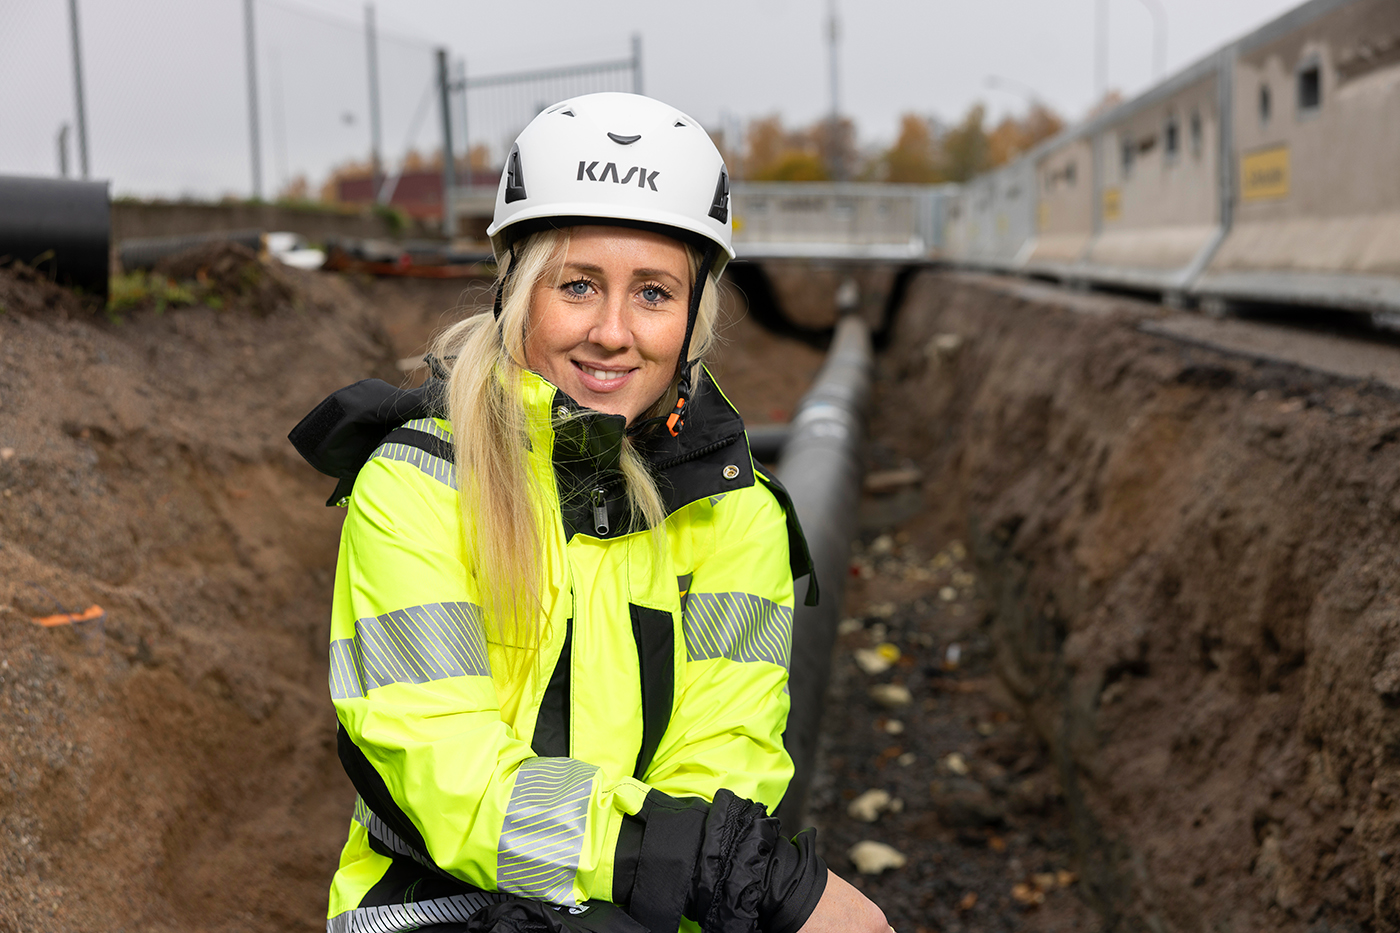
x=680, y=123
x=568, y=113
x=515, y=178
x=719, y=209
x=623, y=140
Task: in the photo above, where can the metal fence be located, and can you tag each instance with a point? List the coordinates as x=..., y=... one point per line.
x=246, y=98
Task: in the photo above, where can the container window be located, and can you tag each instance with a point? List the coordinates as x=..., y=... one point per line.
x=1069, y=173
x=1128, y=151
x=1196, y=133
x=1266, y=105
x=1310, y=87
x=1171, y=137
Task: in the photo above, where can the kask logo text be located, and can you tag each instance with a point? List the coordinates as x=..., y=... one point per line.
x=609, y=173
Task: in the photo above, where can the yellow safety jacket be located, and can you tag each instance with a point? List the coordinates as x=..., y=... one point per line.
x=656, y=671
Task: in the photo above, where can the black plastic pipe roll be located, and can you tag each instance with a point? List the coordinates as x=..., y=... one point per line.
x=822, y=469
x=60, y=227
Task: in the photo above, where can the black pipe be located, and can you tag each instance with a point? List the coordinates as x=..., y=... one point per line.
x=62, y=228
x=766, y=441
x=821, y=468
x=145, y=252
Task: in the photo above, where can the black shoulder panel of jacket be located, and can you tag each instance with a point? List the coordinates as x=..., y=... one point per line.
x=799, y=555
x=341, y=433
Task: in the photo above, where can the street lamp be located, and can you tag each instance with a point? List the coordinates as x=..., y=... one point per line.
x=1012, y=86
x=1159, y=36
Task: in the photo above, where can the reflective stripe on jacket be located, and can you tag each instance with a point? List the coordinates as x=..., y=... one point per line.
x=657, y=670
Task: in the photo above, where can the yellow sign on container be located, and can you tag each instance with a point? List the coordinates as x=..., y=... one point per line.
x=1264, y=175
x=1112, y=203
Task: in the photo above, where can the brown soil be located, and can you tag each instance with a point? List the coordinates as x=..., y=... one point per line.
x=1179, y=664
x=172, y=767
x=1188, y=559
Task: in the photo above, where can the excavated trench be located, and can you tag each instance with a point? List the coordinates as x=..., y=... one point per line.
x=1186, y=590
x=1143, y=605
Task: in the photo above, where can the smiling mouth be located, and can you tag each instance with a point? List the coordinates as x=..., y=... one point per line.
x=602, y=375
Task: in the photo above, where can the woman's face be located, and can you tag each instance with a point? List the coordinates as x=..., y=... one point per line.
x=609, y=331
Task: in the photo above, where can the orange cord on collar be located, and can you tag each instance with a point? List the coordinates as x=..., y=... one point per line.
x=676, y=419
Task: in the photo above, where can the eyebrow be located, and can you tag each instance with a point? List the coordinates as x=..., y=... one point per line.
x=636, y=273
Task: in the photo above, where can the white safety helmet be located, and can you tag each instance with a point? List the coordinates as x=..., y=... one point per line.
x=620, y=158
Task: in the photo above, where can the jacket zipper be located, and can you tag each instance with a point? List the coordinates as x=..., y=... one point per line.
x=600, y=511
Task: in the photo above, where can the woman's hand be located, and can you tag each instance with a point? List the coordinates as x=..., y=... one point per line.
x=843, y=909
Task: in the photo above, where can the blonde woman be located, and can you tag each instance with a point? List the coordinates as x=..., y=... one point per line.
x=563, y=605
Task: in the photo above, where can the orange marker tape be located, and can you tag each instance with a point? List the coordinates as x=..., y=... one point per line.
x=90, y=614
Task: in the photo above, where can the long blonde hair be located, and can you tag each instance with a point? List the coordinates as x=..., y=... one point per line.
x=503, y=506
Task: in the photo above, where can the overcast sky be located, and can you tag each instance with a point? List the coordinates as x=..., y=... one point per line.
x=166, y=80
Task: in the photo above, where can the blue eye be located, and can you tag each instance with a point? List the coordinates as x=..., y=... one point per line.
x=578, y=289
x=654, y=294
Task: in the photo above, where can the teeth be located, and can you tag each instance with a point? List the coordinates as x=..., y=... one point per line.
x=602, y=375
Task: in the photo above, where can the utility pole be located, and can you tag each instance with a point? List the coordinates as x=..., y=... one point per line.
x=375, y=142
x=1100, y=49
x=833, y=38
x=449, y=173
x=254, y=142
x=81, y=107
x=636, y=63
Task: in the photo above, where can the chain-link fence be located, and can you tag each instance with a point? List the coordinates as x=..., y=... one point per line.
x=167, y=100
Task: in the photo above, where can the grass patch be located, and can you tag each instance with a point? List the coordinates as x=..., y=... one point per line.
x=140, y=289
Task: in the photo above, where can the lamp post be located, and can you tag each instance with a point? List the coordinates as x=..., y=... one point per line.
x=1159, y=36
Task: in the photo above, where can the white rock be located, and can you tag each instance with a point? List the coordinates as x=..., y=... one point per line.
x=869, y=805
x=872, y=858
x=882, y=545
x=849, y=626
x=871, y=661
x=947, y=594
x=891, y=696
x=894, y=727
x=956, y=763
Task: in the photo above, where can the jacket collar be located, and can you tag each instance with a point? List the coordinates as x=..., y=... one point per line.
x=708, y=459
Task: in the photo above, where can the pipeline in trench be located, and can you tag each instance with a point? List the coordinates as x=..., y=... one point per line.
x=1129, y=654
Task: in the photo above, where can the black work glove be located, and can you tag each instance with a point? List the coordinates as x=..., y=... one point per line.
x=724, y=865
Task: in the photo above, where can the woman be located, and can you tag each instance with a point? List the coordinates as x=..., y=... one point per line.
x=564, y=596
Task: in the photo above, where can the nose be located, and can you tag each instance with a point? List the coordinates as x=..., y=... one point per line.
x=612, y=325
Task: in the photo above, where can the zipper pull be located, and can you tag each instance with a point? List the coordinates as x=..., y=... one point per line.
x=600, y=511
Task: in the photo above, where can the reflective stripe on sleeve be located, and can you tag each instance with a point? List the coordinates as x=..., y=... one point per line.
x=393, y=918
x=439, y=469
x=542, y=836
x=409, y=646
x=737, y=626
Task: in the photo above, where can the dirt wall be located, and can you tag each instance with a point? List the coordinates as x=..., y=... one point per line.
x=171, y=767
x=1191, y=562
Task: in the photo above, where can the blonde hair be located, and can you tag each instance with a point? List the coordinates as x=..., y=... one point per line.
x=503, y=508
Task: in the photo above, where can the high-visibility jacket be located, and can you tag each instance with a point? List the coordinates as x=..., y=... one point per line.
x=658, y=669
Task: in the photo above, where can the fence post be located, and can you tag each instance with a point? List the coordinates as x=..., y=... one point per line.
x=449, y=173
x=81, y=115
x=375, y=143
x=254, y=142
x=636, y=63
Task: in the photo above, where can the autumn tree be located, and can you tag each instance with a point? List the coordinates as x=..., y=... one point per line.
x=965, y=148
x=914, y=157
x=777, y=154
x=1013, y=137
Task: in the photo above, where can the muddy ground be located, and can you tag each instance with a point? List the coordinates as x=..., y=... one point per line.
x=1166, y=573
x=1188, y=566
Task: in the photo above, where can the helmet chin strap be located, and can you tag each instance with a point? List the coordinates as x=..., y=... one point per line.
x=675, y=421
x=501, y=282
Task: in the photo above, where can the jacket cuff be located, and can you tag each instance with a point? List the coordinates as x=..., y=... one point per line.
x=796, y=882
